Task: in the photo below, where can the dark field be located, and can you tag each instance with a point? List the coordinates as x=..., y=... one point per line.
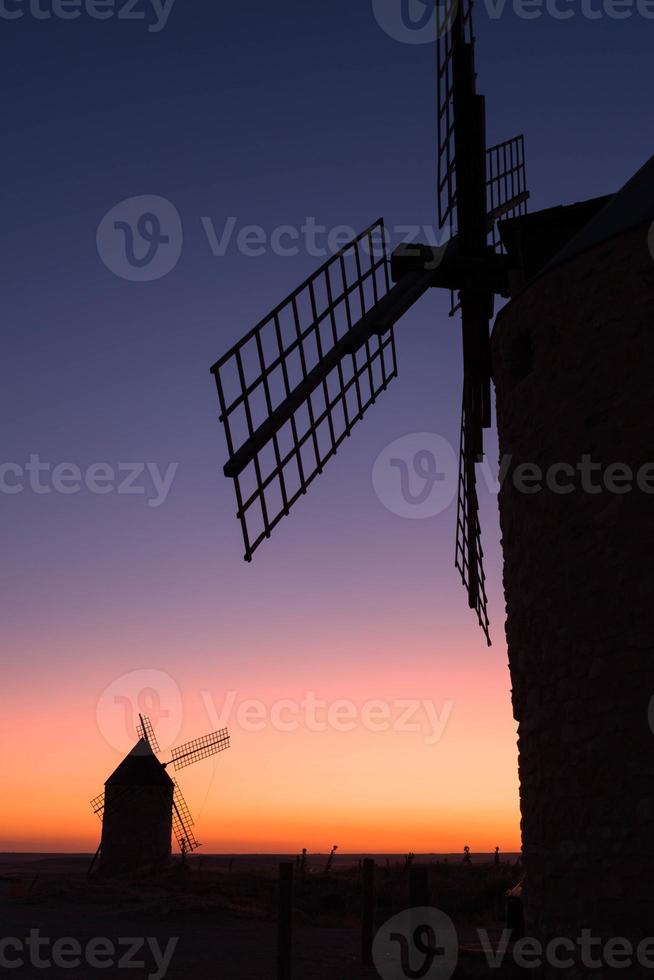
x=222, y=911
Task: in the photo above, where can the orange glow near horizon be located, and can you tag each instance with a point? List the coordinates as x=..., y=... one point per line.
x=370, y=788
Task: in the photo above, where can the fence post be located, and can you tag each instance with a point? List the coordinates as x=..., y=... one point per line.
x=419, y=896
x=367, y=911
x=285, y=921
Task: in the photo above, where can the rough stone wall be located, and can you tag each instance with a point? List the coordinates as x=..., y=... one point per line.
x=574, y=371
x=136, y=829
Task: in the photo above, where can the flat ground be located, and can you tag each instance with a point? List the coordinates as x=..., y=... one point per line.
x=223, y=914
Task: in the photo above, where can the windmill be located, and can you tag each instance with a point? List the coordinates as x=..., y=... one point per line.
x=293, y=388
x=141, y=805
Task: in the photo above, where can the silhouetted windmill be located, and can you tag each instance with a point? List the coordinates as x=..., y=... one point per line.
x=141, y=806
x=292, y=389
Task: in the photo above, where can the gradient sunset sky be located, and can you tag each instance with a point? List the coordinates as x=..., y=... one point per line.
x=271, y=114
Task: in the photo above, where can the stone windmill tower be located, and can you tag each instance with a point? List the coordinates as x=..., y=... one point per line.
x=138, y=814
x=573, y=358
x=142, y=807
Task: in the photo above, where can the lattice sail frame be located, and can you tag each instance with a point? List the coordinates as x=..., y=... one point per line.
x=183, y=822
x=146, y=730
x=505, y=163
x=491, y=183
x=447, y=187
x=467, y=512
x=200, y=748
x=97, y=805
x=506, y=185
x=293, y=388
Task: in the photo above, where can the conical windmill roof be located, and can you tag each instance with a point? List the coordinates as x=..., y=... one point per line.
x=632, y=206
x=140, y=768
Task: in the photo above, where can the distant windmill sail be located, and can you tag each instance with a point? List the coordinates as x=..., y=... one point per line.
x=146, y=731
x=97, y=805
x=183, y=822
x=200, y=748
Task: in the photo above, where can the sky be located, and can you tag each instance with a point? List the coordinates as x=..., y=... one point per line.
x=364, y=706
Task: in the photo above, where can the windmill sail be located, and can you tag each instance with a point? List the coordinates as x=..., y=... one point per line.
x=97, y=805
x=451, y=17
x=146, y=731
x=469, y=557
x=200, y=748
x=506, y=184
x=476, y=187
x=183, y=822
x=293, y=388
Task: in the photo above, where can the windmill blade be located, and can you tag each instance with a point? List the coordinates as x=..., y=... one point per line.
x=292, y=389
x=97, y=804
x=182, y=822
x=506, y=184
x=464, y=167
x=454, y=28
x=200, y=748
x=461, y=136
x=146, y=731
x=469, y=557
x=505, y=163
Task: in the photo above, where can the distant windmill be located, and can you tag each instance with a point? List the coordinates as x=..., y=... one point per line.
x=141, y=806
x=292, y=389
